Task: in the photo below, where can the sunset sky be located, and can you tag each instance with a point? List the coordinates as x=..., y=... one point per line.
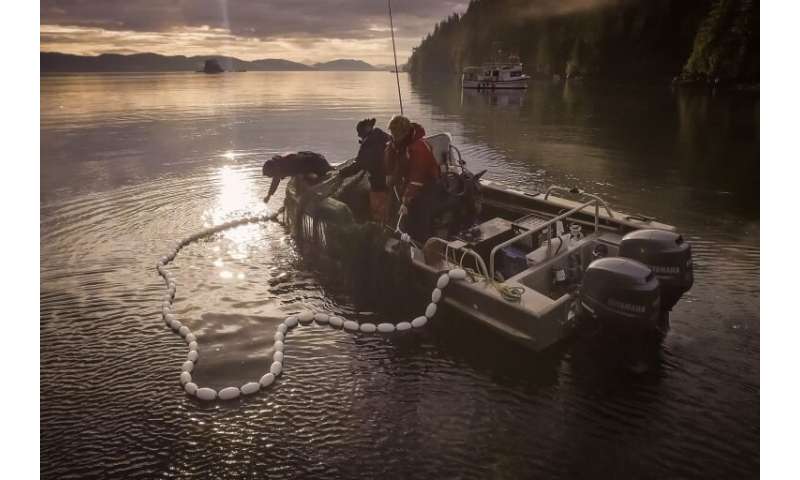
x=306, y=31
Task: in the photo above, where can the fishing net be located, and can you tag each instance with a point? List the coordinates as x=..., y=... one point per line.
x=334, y=230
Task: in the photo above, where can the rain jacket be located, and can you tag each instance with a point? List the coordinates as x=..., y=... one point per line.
x=370, y=158
x=412, y=163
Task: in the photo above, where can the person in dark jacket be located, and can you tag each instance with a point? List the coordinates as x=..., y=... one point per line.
x=370, y=159
x=301, y=163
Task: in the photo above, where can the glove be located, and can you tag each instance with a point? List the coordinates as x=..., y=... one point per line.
x=403, y=209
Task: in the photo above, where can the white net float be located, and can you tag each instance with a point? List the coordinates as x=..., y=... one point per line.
x=336, y=322
x=386, y=328
x=206, y=394
x=266, y=380
x=305, y=317
x=419, y=322
x=190, y=338
x=403, y=326
x=351, y=325
x=282, y=328
x=368, y=327
x=443, y=281
x=277, y=357
x=457, y=274
x=431, y=310
x=291, y=321
x=229, y=393
x=193, y=355
x=168, y=318
x=184, y=330
x=278, y=346
x=187, y=366
x=250, y=388
x=322, y=318
x=193, y=345
x=276, y=368
x=186, y=377
x=175, y=325
x=436, y=295
x=278, y=337
x=190, y=388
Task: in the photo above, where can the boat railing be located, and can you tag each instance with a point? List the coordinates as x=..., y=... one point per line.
x=453, y=148
x=465, y=252
x=577, y=191
x=548, y=225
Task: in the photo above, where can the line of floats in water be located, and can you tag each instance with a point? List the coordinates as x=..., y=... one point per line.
x=292, y=321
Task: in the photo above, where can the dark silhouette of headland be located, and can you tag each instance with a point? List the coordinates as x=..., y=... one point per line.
x=53, y=62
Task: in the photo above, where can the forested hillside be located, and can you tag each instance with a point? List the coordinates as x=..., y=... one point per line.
x=660, y=39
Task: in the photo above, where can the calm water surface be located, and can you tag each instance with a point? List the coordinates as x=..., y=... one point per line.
x=132, y=163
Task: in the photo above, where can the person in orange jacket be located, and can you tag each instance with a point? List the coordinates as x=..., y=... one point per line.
x=414, y=174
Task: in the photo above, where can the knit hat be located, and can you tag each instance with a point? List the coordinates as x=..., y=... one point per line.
x=364, y=127
x=400, y=127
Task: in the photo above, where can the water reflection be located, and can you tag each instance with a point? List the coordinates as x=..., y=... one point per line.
x=170, y=154
x=105, y=131
x=691, y=152
x=236, y=196
x=494, y=98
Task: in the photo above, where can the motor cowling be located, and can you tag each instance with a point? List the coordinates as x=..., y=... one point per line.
x=622, y=292
x=667, y=255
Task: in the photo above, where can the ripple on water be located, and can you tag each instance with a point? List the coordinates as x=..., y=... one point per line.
x=454, y=401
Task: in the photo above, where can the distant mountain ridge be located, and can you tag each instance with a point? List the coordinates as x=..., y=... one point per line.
x=344, y=64
x=51, y=62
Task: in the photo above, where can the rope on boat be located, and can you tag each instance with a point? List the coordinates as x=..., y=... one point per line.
x=302, y=318
x=509, y=293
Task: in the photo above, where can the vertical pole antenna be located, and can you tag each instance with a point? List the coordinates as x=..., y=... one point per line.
x=394, y=51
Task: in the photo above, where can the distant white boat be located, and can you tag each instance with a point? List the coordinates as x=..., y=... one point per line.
x=495, y=76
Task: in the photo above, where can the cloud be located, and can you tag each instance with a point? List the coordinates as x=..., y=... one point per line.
x=307, y=28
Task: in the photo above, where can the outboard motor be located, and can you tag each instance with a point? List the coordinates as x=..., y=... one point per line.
x=667, y=255
x=621, y=292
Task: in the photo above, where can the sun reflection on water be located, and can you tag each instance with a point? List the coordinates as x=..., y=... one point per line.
x=230, y=155
x=236, y=197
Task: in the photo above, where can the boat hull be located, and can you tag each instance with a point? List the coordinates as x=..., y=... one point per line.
x=535, y=321
x=477, y=302
x=315, y=225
